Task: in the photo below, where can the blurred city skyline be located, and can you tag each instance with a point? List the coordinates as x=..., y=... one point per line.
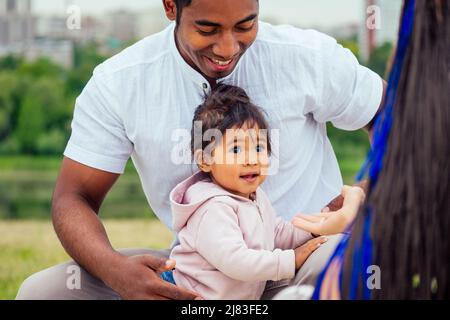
x=304, y=13
x=36, y=28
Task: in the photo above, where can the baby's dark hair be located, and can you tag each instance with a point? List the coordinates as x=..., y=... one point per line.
x=224, y=108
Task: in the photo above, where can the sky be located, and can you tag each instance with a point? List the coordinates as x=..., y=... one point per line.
x=323, y=13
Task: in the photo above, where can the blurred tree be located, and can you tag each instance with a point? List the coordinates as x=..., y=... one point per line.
x=31, y=124
x=379, y=59
x=8, y=84
x=43, y=108
x=10, y=62
x=86, y=58
x=40, y=68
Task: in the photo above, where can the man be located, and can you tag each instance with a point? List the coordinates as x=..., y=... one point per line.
x=136, y=100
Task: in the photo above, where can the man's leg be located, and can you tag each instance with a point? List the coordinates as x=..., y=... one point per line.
x=309, y=272
x=55, y=283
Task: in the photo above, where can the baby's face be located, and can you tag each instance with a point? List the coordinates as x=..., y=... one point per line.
x=241, y=160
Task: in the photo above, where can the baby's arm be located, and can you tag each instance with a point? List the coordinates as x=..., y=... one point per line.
x=220, y=241
x=287, y=236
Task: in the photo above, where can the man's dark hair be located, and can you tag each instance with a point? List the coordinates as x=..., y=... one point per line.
x=180, y=5
x=224, y=108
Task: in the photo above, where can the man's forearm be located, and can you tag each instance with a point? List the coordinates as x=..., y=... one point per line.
x=83, y=235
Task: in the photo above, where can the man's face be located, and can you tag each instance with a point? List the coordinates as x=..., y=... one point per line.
x=213, y=35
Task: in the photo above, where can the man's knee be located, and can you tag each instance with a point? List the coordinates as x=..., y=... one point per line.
x=44, y=285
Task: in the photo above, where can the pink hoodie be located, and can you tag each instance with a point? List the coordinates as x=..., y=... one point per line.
x=229, y=245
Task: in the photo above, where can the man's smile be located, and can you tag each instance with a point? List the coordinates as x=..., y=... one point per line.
x=221, y=65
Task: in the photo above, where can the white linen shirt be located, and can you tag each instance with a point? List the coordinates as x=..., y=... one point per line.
x=136, y=100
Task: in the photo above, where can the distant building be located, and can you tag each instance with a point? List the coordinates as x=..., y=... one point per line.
x=150, y=21
x=16, y=26
x=389, y=18
x=19, y=34
x=59, y=51
x=121, y=26
x=55, y=27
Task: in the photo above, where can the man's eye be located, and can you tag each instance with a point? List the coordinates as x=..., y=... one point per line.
x=236, y=149
x=259, y=148
x=246, y=26
x=207, y=32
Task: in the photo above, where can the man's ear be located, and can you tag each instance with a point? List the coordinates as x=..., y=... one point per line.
x=171, y=9
x=202, y=160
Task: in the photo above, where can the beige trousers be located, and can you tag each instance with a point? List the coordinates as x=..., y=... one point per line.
x=55, y=283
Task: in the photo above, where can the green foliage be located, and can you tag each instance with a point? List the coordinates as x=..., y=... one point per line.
x=52, y=142
x=11, y=94
x=10, y=62
x=42, y=67
x=37, y=100
x=379, y=58
x=31, y=124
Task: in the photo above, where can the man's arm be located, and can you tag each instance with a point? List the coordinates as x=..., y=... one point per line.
x=79, y=193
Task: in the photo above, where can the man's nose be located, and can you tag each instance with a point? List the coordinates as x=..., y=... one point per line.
x=227, y=47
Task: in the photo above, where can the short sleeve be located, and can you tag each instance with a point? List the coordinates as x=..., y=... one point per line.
x=98, y=136
x=349, y=94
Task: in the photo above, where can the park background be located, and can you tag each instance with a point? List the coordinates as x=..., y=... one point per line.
x=44, y=67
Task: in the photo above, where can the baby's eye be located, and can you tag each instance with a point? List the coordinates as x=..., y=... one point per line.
x=236, y=149
x=259, y=148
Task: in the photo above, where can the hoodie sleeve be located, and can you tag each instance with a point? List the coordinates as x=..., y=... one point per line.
x=287, y=236
x=220, y=241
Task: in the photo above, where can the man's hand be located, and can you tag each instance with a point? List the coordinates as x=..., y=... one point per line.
x=303, y=252
x=138, y=278
x=338, y=202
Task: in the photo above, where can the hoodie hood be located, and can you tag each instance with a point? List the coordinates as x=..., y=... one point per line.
x=192, y=193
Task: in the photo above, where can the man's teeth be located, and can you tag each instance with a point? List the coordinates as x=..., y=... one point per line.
x=221, y=63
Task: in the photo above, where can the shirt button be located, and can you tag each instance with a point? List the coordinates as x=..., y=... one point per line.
x=205, y=86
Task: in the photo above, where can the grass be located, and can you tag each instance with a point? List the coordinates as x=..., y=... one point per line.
x=29, y=246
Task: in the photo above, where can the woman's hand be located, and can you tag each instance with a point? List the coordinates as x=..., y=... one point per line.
x=333, y=222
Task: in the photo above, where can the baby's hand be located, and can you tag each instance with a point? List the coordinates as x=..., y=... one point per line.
x=326, y=223
x=303, y=252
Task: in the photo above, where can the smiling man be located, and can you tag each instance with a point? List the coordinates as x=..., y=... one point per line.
x=136, y=100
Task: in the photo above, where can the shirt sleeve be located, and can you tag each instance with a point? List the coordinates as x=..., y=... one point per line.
x=98, y=136
x=349, y=93
x=287, y=236
x=220, y=242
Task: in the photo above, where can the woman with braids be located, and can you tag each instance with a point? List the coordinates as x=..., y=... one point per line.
x=404, y=224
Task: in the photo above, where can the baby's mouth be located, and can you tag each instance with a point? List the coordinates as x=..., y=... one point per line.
x=249, y=177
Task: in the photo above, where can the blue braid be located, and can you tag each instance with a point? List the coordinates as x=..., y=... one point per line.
x=363, y=253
